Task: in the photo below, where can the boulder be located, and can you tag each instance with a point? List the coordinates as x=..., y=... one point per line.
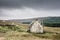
x=36, y=27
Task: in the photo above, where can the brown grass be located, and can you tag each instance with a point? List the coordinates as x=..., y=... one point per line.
x=50, y=34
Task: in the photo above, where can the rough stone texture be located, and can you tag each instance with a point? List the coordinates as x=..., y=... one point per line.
x=36, y=27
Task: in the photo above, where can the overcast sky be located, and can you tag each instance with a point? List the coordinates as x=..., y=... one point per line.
x=29, y=8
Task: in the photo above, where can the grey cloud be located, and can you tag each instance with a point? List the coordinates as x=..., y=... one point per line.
x=2, y=14
x=36, y=4
x=15, y=8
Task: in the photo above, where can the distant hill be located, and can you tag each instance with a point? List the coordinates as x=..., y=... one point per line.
x=52, y=21
x=45, y=20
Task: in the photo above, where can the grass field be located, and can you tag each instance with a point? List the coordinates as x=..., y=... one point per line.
x=19, y=32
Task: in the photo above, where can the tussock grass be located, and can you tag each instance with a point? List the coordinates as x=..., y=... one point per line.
x=56, y=37
x=4, y=29
x=20, y=33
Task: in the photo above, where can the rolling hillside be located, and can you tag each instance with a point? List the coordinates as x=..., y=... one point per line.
x=47, y=21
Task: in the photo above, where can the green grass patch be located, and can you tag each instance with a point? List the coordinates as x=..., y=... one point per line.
x=5, y=29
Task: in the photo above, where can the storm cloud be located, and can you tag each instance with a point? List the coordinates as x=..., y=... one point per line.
x=44, y=4
x=29, y=8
